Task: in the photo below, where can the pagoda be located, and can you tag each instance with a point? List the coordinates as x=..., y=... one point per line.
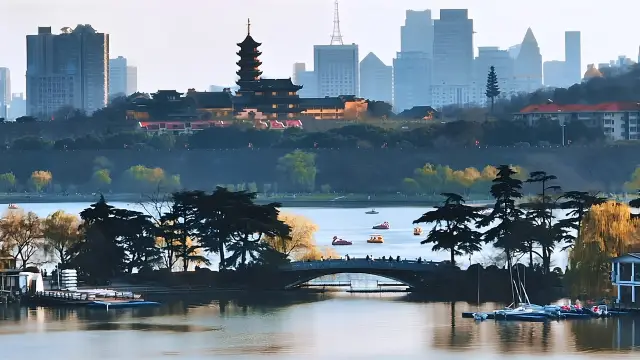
x=275, y=99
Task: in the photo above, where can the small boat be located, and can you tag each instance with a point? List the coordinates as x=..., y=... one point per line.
x=417, y=231
x=375, y=239
x=383, y=226
x=13, y=207
x=340, y=242
x=372, y=212
x=121, y=304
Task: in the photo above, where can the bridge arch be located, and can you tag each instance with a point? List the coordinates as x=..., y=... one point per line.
x=409, y=273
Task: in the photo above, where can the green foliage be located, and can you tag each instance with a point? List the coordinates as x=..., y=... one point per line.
x=8, y=182
x=101, y=179
x=493, y=89
x=40, y=179
x=299, y=168
x=144, y=179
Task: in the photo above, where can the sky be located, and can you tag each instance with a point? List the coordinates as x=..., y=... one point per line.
x=192, y=43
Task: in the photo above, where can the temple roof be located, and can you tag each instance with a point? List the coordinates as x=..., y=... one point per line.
x=248, y=41
x=306, y=103
x=212, y=100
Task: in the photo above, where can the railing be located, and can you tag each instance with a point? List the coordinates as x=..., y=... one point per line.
x=361, y=264
x=82, y=296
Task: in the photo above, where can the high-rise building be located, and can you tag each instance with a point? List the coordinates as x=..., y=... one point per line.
x=503, y=64
x=18, y=106
x=416, y=35
x=376, y=79
x=572, y=57
x=514, y=51
x=306, y=78
x=5, y=92
x=336, y=69
x=453, y=48
x=132, y=79
x=555, y=73
x=69, y=69
x=528, y=66
x=118, y=77
x=411, y=80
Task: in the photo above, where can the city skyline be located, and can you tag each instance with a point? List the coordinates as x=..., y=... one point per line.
x=203, y=52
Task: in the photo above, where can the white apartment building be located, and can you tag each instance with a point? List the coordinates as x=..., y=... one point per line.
x=336, y=69
x=619, y=121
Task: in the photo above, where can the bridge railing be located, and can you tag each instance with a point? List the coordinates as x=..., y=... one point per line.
x=361, y=264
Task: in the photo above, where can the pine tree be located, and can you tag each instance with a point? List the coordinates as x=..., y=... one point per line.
x=493, y=90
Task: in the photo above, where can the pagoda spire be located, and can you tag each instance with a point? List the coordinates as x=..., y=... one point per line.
x=249, y=62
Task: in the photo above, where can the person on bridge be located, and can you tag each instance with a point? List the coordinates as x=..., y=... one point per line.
x=367, y=258
x=347, y=256
x=398, y=258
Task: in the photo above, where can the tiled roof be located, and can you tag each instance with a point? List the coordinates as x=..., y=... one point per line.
x=604, y=107
x=306, y=103
x=417, y=112
x=212, y=100
x=270, y=84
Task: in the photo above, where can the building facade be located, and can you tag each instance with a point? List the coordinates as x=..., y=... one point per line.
x=5, y=92
x=305, y=78
x=416, y=35
x=118, y=77
x=336, y=69
x=528, y=65
x=572, y=57
x=453, y=48
x=555, y=73
x=67, y=69
x=618, y=121
x=18, y=106
x=376, y=79
x=503, y=63
x=132, y=79
x=411, y=80
x=625, y=277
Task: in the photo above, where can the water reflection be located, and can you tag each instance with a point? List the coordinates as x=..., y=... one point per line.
x=321, y=325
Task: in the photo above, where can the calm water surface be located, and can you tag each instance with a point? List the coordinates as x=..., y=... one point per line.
x=336, y=326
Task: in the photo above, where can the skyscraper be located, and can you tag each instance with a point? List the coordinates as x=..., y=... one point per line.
x=555, y=73
x=528, y=67
x=5, y=92
x=572, y=57
x=503, y=64
x=453, y=48
x=71, y=68
x=375, y=79
x=416, y=34
x=132, y=79
x=336, y=65
x=306, y=78
x=118, y=77
x=411, y=80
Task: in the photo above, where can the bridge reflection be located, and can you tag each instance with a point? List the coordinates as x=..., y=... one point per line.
x=405, y=265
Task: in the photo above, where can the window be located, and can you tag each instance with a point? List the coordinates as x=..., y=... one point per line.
x=259, y=93
x=274, y=94
x=274, y=106
x=292, y=93
x=291, y=106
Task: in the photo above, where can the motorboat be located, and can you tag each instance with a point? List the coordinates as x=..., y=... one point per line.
x=340, y=242
x=372, y=212
x=383, y=226
x=375, y=239
x=417, y=231
x=13, y=207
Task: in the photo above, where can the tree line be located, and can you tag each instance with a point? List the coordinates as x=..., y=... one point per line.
x=174, y=233
x=594, y=231
x=460, y=133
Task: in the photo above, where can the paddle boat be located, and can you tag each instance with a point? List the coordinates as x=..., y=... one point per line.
x=417, y=231
x=383, y=226
x=13, y=207
x=375, y=239
x=340, y=242
x=372, y=212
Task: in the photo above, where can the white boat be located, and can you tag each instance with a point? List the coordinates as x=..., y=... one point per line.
x=372, y=212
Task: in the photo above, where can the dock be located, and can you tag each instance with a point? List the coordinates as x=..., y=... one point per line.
x=97, y=298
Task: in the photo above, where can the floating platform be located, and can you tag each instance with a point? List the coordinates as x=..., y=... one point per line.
x=105, y=299
x=121, y=304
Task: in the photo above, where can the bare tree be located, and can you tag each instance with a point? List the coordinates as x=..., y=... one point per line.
x=23, y=234
x=156, y=205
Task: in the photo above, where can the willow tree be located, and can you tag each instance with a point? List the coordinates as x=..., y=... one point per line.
x=608, y=230
x=300, y=242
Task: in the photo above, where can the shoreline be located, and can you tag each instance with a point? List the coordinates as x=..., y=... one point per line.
x=357, y=201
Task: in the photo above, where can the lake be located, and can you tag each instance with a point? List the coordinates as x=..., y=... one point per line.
x=297, y=326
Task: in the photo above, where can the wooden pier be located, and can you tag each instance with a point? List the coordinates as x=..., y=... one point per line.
x=76, y=298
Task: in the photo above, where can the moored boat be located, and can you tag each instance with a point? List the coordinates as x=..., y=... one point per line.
x=383, y=226
x=13, y=207
x=372, y=212
x=340, y=242
x=417, y=231
x=375, y=239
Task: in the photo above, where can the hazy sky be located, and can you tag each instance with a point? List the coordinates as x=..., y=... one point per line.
x=192, y=43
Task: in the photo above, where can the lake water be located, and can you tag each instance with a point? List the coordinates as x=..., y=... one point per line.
x=330, y=326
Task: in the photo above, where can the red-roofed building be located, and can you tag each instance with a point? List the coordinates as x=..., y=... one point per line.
x=618, y=120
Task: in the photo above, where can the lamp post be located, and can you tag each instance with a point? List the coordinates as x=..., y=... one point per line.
x=562, y=126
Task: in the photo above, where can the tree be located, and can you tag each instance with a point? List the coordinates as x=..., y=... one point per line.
x=8, y=182
x=493, y=89
x=452, y=227
x=541, y=215
x=101, y=179
x=146, y=179
x=61, y=232
x=607, y=231
x=21, y=232
x=506, y=189
x=299, y=167
x=579, y=203
x=40, y=179
x=299, y=241
x=137, y=236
